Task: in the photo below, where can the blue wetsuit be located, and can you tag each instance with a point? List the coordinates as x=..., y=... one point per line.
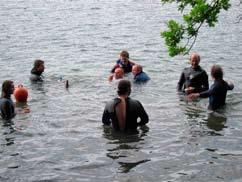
x=7, y=108
x=141, y=77
x=217, y=94
x=196, y=78
x=126, y=67
x=134, y=110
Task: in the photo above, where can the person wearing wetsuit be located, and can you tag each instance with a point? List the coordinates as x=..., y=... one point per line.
x=123, y=112
x=139, y=75
x=123, y=63
x=6, y=103
x=218, y=90
x=193, y=79
x=37, y=70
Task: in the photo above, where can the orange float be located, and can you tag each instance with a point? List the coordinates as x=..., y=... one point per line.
x=20, y=93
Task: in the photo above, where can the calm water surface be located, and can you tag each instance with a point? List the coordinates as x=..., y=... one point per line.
x=63, y=139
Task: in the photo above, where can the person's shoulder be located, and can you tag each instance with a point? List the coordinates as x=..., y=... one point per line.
x=201, y=69
x=134, y=101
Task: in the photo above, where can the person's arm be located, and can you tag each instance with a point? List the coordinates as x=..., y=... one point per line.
x=114, y=67
x=181, y=82
x=230, y=86
x=143, y=115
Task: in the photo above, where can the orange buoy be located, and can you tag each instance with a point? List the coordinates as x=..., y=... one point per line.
x=20, y=93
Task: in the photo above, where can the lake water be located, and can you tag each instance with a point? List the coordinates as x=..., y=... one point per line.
x=62, y=138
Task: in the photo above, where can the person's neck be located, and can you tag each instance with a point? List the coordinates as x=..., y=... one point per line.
x=123, y=96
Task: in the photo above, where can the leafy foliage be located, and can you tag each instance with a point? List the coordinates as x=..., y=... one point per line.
x=180, y=37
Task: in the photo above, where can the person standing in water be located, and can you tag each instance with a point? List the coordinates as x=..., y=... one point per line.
x=217, y=92
x=123, y=112
x=6, y=103
x=37, y=70
x=193, y=79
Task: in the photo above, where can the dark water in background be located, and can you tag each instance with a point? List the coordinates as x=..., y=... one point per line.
x=62, y=139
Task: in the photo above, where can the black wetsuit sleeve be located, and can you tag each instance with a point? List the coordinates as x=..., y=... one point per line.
x=143, y=115
x=181, y=82
x=230, y=86
x=207, y=93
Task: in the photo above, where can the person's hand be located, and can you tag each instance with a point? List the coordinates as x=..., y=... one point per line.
x=110, y=78
x=189, y=90
x=26, y=110
x=193, y=96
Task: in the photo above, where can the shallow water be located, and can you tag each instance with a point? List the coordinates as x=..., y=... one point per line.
x=62, y=138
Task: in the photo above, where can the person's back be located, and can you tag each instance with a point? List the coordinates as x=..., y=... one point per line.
x=123, y=112
x=134, y=110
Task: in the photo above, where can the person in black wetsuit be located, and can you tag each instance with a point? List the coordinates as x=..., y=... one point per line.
x=37, y=70
x=193, y=79
x=217, y=92
x=6, y=103
x=123, y=112
x=124, y=63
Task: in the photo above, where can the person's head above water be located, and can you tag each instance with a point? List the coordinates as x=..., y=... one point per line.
x=7, y=88
x=194, y=60
x=217, y=72
x=136, y=69
x=124, y=57
x=124, y=87
x=118, y=73
x=39, y=66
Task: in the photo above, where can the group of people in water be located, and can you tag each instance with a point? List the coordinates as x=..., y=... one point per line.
x=124, y=113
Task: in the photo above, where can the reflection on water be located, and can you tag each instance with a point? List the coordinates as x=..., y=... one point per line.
x=125, y=147
x=7, y=131
x=216, y=121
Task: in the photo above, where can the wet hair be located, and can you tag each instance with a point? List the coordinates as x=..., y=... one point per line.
x=217, y=72
x=6, y=87
x=37, y=63
x=124, y=54
x=124, y=87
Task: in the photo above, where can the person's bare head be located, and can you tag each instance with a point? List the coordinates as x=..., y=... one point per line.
x=39, y=65
x=124, y=87
x=217, y=72
x=124, y=56
x=136, y=69
x=194, y=60
x=118, y=73
x=7, y=88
